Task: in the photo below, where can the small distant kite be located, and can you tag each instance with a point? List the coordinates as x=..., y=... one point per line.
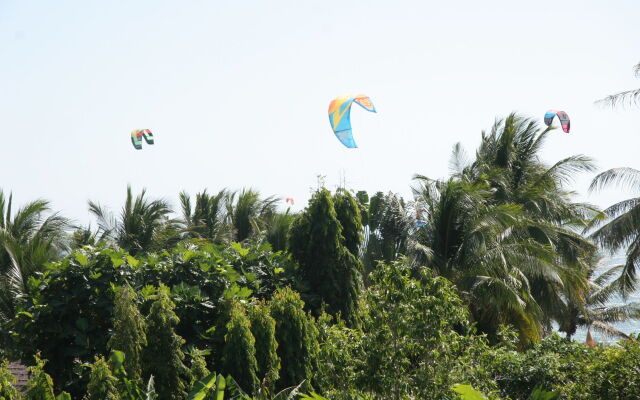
x=290, y=200
x=562, y=116
x=138, y=134
x=340, y=116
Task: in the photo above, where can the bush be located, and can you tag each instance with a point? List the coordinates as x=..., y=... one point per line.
x=414, y=348
x=7, y=380
x=40, y=385
x=102, y=384
x=617, y=375
x=554, y=364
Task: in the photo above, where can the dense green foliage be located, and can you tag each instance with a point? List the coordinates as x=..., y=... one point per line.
x=29, y=238
x=102, y=384
x=7, y=382
x=40, y=386
x=414, y=348
x=354, y=297
x=142, y=225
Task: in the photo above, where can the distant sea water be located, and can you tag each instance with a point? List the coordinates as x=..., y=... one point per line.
x=626, y=327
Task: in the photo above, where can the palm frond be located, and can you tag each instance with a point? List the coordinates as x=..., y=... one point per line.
x=107, y=223
x=625, y=98
x=185, y=205
x=608, y=330
x=565, y=170
x=459, y=160
x=624, y=177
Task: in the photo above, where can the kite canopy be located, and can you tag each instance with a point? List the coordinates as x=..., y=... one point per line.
x=340, y=116
x=138, y=134
x=562, y=116
x=290, y=200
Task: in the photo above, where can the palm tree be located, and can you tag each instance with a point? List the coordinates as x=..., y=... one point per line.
x=388, y=223
x=596, y=311
x=631, y=97
x=84, y=236
x=504, y=229
x=248, y=212
x=208, y=219
x=28, y=239
x=143, y=225
x=476, y=245
x=508, y=161
x=620, y=229
x=276, y=231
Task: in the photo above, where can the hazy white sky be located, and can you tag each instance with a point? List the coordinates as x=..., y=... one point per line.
x=236, y=92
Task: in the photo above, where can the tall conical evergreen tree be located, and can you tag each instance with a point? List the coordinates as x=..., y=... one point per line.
x=326, y=264
x=239, y=354
x=128, y=331
x=102, y=384
x=263, y=328
x=297, y=337
x=348, y=214
x=163, y=357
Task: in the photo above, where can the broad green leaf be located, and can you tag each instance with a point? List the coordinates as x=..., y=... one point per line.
x=467, y=392
x=25, y=313
x=63, y=396
x=221, y=383
x=116, y=259
x=188, y=255
x=539, y=394
x=244, y=292
x=132, y=261
x=312, y=396
x=117, y=360
x=147, y=291
x=211, y=330
x=81, y=258
x=290, y=393
x=202, y=387
x=239, y=249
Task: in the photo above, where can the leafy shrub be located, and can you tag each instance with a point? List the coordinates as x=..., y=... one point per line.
x=554, y=364
x=7, y=380
x=617, y=375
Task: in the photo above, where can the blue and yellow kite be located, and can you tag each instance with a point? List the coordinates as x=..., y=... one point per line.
x=340, y=116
